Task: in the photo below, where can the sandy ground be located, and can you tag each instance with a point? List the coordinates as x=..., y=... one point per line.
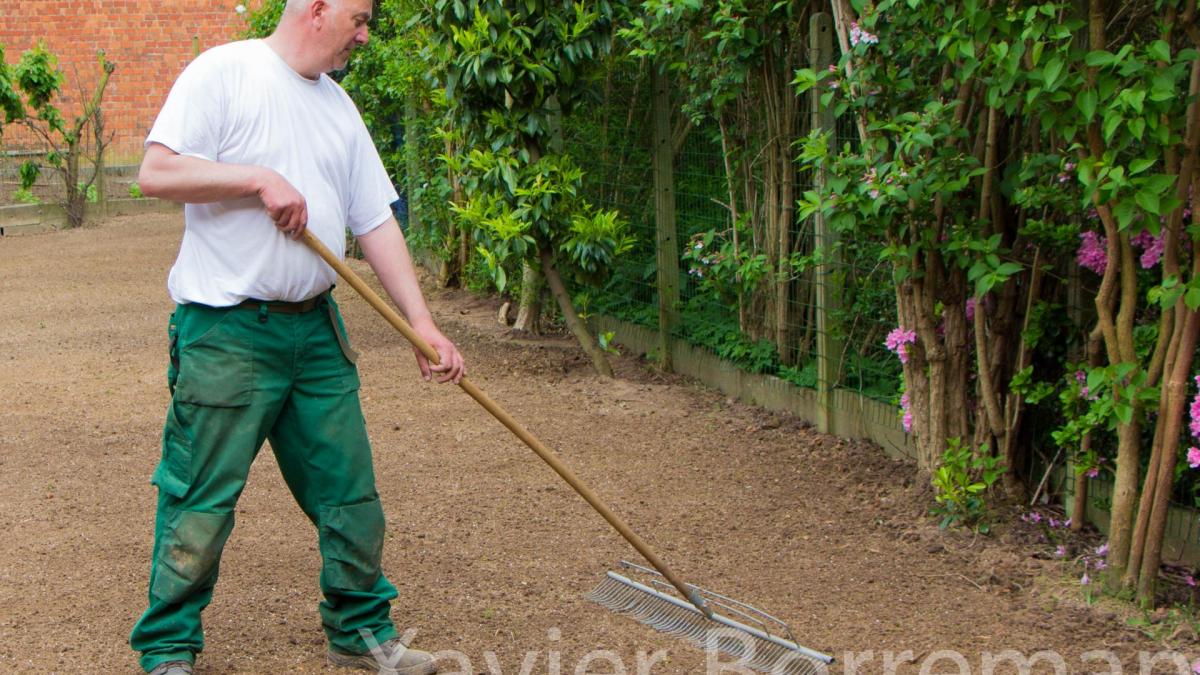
x=492, y=553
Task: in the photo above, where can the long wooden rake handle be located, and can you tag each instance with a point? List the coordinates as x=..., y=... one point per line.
x=506, y=419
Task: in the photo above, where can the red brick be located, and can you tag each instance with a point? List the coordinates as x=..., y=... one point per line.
x=149, y=48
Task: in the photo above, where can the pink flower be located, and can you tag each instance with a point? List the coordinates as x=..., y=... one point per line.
x=971, y=309
x=1092, y=472
x=1152, y=247
x=1081, y=379
x=906, y=418
x=1102, y=549
x=1099, y=565
x=1085, y=579
x=1193, y=457
x=1067, y=522
x=859, y=36
x=1191, y=581
x=1196, y=667
x=898, y=339
x=1060, y=552
x=1092, y=253
x=1194, y=412
x=1065, y=176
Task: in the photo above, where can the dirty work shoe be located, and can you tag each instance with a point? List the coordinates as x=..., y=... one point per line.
x=394, y=658
x=172, y=668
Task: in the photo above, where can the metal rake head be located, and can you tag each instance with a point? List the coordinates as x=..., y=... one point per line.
x=754, y=648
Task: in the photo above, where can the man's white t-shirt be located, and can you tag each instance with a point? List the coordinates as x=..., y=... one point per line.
x=240, y=103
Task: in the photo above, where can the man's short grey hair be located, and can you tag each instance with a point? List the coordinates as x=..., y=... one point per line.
x=300, y=5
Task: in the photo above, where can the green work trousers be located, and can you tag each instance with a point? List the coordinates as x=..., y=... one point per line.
x=239, y=376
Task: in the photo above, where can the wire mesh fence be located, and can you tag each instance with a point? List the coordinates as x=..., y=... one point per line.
x=736, y=319
x=29, y=174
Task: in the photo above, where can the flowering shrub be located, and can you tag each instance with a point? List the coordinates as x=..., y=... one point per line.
x=1092, y=253
x=1152, y=248
x=898, y=339
x=858, y=36
x=897, y=342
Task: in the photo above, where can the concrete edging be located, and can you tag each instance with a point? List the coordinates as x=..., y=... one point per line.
x=852, y=415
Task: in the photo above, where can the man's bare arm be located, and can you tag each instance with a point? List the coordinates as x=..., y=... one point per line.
x=387, y=254
x=166, y=174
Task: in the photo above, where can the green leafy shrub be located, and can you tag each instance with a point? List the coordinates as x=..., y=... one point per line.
x=961, y=482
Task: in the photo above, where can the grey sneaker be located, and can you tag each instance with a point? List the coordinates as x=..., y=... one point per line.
x=392, y=658
x=172, y=668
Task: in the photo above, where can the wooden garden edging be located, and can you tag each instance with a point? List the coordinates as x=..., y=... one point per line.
x=32, y=218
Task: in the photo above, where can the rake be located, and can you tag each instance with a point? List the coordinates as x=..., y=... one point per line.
x=669, y=606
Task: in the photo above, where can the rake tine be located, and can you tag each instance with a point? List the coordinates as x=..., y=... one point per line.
x=753, y=648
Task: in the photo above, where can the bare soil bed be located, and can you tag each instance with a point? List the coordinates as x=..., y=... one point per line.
x=492, y=553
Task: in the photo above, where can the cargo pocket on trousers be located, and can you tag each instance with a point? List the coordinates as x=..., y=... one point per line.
x=216, y=368
x=174, y=473
x=351, y=540
x=188, y=553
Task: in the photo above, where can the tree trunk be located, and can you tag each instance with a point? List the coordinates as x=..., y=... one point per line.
x=1125, y=489
x=1012, y=483
x=76, y=198
x=1137, y=547
x=1172, y=417
x=574, y=323
x=529, y=314
x=98, y=177
x=1125, y=493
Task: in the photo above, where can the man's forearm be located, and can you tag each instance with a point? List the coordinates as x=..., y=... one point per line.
x=180, y=178
x=387, y=254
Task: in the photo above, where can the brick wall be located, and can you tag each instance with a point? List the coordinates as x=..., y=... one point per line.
x=150, y=42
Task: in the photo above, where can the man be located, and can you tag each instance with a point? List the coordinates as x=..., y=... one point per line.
x=260, y=144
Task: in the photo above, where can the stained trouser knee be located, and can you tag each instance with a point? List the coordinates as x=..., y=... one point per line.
x=189, y=552
x=351, y=545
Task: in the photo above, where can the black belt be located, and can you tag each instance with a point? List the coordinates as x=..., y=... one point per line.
x=282, y=307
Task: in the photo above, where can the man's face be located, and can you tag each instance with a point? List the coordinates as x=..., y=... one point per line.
x=344, y=29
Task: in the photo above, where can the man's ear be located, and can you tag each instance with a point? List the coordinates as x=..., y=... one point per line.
x=318, y=11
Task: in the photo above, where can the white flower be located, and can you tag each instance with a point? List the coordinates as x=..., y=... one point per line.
x=240, y=9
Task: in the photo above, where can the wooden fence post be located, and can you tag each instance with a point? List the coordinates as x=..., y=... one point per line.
x=828, y=275
x=412, y=161
x=667, y=246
